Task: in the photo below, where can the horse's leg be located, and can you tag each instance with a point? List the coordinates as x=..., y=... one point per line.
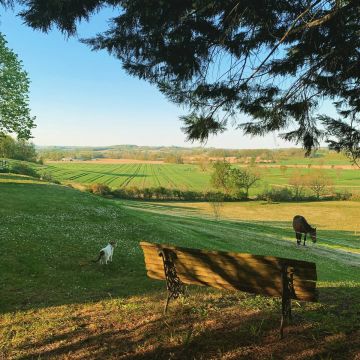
x=298, y=238
x=304, y=239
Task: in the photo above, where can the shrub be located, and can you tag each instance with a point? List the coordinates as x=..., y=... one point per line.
x=162, y=193
x=276, y=194
x=100, y=189
x=120, y=193
x=49, y=178
x=147, y=193
x=298, y=183
x=319, y=183
x=355, y=196
x=135, y=192
x=23, y=169
x=343, y=195
x=178, y=194
x=216, y=201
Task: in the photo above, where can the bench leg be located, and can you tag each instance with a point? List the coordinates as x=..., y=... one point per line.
x=285, y=314
x=289, y=311
x=287, y=284
x=174, y=285
x=282, y=327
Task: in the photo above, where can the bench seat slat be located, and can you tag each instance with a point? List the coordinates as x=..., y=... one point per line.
x=300, y=294
x=302, y=290
x=277, y=261
x=238, y=264
x=235, y=271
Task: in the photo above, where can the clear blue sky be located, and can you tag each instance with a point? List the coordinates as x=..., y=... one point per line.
x=81, y=97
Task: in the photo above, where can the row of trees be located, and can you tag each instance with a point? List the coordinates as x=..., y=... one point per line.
x=17, y=149
x=317, y=182
x=159, y=193
x=179, y=155
x=237, y=182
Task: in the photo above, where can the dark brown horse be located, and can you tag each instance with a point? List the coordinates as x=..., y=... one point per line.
x=301, y=226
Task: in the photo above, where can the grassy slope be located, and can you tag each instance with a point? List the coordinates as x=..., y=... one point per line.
x=338, y=222
x=50, y=233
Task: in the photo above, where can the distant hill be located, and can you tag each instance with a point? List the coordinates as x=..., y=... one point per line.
x=176, y=154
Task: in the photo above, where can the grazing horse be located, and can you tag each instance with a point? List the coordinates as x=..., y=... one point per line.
x=301, y=226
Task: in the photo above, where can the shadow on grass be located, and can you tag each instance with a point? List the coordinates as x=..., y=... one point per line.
x=283, y=228
x=205, y=330
x=8, y=177
x=158, y=205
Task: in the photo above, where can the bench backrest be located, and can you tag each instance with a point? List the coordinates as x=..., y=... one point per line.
x=235, y=271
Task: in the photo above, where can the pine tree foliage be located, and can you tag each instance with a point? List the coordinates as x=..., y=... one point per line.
x=344, y=134
x=273, y=60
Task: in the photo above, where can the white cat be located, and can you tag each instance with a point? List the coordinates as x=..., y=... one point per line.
x=106, y=253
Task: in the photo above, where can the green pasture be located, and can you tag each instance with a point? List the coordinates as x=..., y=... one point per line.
x=51, y=233
x=51, y=294
x=342, y=179
x=183, y=176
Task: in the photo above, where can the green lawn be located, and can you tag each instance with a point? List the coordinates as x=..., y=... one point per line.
x=50, y=234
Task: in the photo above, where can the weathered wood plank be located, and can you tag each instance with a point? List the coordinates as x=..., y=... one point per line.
x=268, y=259
x=299, y=294
x=238, y=264
x=198, y=272
x=303, y=289
x=235, y=271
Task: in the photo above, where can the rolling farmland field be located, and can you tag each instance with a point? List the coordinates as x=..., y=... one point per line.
x=142, y=175
x=181, y=176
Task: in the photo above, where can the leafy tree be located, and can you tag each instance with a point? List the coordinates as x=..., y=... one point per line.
x=14, y=87
x=216, y=201
x=174, y=159
x=242, y=179
x=274, y=61
x=17, y=149
x=7, y=147
x=220, y=178
x=298, y=183
x=236, y=180
x=319, y=183
x=203, y=163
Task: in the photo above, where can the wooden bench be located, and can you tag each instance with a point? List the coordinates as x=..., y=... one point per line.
x=263, y=275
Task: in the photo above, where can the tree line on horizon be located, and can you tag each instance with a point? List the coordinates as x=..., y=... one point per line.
x=182, y=155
